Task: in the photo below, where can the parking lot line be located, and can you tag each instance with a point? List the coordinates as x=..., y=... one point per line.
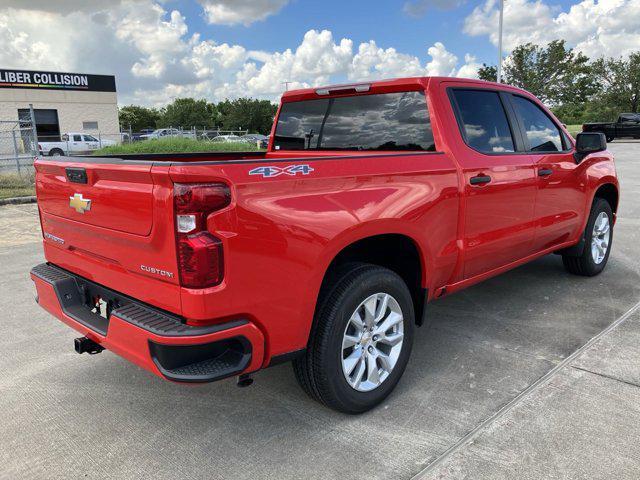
x=469, y=437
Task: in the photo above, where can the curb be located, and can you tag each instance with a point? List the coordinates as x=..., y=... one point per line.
x=17, y=200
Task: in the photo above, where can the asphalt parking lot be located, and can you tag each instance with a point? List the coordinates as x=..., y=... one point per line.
x=502, y=386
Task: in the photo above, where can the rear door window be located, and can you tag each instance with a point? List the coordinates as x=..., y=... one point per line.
x=390, y=121
x=541, y=133
x=483, y=121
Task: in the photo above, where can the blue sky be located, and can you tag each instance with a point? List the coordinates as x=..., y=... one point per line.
x=217, y=49
x=384, y=21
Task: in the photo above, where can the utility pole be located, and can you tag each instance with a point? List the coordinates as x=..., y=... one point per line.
x=286, y=86
x=500, y=42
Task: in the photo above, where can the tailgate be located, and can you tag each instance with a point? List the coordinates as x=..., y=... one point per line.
x=111, y=196
x=111, y=221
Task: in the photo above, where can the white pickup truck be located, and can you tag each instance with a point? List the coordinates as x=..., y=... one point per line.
x=73, y=143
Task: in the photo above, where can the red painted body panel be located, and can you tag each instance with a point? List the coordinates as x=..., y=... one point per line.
x=280, y=234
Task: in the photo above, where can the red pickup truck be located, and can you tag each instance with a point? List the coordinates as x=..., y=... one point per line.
x=372, y=200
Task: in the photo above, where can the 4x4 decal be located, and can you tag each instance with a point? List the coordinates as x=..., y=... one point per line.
x=271, y=171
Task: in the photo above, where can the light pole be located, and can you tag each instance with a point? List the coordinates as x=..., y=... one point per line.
x=500, y=42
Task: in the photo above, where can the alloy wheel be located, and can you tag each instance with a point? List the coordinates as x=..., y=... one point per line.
x=372, y=342
x=600, y=238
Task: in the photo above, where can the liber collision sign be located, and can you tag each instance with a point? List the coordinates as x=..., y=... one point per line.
x=56, y=80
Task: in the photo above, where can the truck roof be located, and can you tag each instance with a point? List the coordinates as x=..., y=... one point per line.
x=383, y=86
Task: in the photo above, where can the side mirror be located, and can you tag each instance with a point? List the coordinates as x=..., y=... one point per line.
x=590, y=142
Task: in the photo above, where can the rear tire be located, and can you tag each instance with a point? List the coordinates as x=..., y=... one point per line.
x=610, y=139
x=598, y=237
x=361, y=339
x=56, y=152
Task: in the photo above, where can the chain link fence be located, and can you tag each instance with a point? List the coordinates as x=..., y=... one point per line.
x=87, y=142
x=18, y=145
x=194, y=133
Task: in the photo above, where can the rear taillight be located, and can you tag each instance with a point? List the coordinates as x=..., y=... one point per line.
x=200, y=255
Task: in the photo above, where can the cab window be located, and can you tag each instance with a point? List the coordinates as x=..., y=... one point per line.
x=483, y=121
x=541, y=133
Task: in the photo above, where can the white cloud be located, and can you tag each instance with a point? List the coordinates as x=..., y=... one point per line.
x=155, y=57
x=233, y=12
x=443, y=63
x=372, y=61
x=470, y=67
x=597, y=28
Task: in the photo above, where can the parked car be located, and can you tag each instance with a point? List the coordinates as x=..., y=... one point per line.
x=627, y=126
x=137, y=136
x=167, y=132
x=227, y=138
x=209, y=135
x=325, y=249
x=262, y=141
x=74, y=143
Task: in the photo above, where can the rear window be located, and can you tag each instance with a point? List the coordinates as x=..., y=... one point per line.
x=390, y=121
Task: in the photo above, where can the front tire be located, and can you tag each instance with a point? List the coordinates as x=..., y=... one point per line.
x=610, y=139
x=598, y=237
x=361, y=340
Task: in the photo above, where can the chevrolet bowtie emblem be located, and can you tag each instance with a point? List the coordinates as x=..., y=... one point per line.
x=79, y=204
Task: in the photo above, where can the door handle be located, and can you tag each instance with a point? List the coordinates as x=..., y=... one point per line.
x=480, y=180
x=545, y=172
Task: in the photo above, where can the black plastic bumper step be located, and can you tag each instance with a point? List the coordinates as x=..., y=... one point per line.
x=76, y=295
x=201, y=362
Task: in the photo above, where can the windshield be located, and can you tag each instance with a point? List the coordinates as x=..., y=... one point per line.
x=390, y=121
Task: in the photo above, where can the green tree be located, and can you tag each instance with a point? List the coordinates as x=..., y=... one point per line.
x=555, y=74
x=488, y=73
x=247, y=114
x=621, y=82
x=137, y=118
x=188, y=112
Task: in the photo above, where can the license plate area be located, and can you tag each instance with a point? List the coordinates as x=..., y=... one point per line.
x=89, y=303
x=101, y=307
x=99, y=301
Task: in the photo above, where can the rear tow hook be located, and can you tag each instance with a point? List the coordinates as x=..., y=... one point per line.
x=86, y=345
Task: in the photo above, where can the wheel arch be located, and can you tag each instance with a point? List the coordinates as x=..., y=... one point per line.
x=609, y=192
x=54, y=150
x=397, y=251
x=607, y=189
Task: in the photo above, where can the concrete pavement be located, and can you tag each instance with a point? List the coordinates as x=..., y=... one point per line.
x=65, y=415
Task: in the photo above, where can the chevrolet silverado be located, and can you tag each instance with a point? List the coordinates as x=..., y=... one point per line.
x=372, y=200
